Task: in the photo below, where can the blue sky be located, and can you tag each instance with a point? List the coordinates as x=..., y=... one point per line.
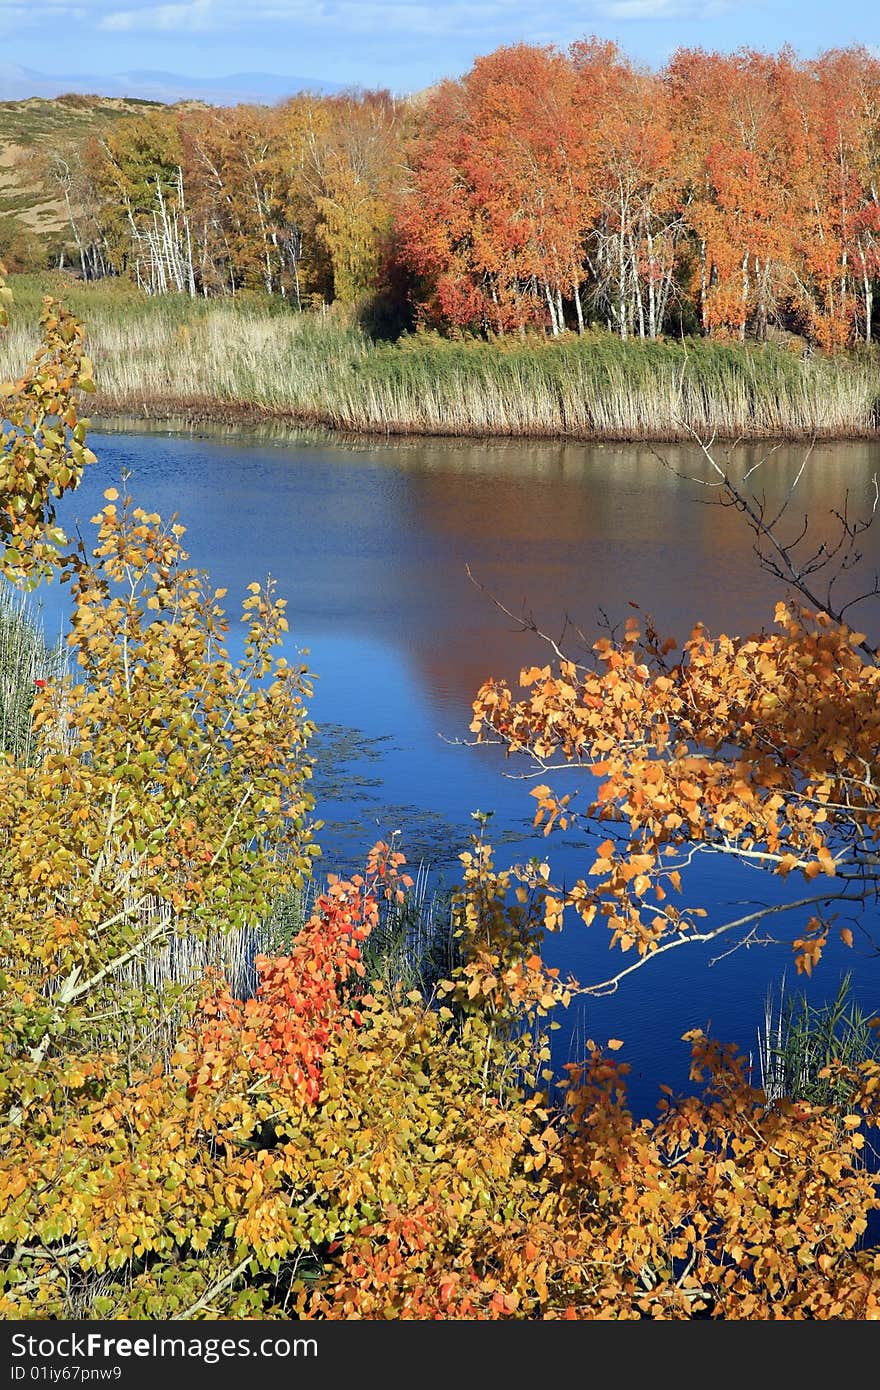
x=401, y=44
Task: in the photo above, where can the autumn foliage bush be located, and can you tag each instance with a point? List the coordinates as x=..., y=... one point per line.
x=326, y=1149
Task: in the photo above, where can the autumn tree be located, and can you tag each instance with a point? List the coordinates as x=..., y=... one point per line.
x=351, y=163
x=140, y=817
x=740, y=200
x=137, y=167
x=499, y=198
x=240, y=187
x=631, y=244
x=839, y=112
x=778, y=159
x=139, y=820
x=760, y=748
x=65, y=169
x=43, y=449
x=542, y=183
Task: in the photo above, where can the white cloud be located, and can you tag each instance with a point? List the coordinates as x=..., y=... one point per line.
x=661, y=9
x=15, y=16
x=485, y=21
x=409, y=17
x=195, y=16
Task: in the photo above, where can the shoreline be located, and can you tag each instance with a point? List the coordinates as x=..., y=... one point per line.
x=182, y=414
x=245, y=365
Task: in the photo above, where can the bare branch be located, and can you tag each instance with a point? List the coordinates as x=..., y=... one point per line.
x=610, y=985
x=778, y=556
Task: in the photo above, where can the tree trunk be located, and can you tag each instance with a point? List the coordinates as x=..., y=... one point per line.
x=190, y=273
x=550, y=305
x=169, y=250
x=638, y=305
x=577, y=305
x=622, y=315
x=652, y=293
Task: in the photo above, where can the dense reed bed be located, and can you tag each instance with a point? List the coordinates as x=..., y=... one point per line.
x=597, y=387
x=25, y=659
x=200, y=357
x=800, y=1043
x=173, y=356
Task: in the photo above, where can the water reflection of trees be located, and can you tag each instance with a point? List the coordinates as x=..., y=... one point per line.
x=577, y=529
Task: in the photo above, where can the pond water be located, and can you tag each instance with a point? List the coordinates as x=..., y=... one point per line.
x=371, y=542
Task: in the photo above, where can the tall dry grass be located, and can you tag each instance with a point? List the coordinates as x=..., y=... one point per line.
x=154, y=354
x=600, y=388
x=801, y=1043
x=173, y=356
x=25, y=658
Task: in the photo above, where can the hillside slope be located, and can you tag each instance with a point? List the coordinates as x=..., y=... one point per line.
x=33, y=219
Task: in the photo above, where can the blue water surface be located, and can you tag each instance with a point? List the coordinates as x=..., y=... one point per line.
x=371, y=543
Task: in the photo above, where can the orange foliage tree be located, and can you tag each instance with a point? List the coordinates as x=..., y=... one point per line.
x=500, y=199
x=552, y=188
x=762, y=749
x=839, y=109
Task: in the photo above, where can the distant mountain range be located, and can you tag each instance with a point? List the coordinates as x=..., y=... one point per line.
x=18, y=83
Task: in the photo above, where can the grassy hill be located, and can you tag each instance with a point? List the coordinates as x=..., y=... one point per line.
x=33, y=221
